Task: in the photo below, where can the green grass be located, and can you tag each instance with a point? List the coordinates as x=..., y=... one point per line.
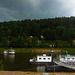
x=17, y=49
x=23, y=49
x=30, y=49
x=69, y=49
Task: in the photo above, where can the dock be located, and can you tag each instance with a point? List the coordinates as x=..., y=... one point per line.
x=64, y=65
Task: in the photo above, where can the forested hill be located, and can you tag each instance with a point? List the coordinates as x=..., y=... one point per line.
x=27, y=33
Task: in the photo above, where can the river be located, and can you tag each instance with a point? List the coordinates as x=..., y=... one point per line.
x=20, y=62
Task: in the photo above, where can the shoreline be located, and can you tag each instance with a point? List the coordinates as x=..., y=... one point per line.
x=38, y=50
x=42, y=50
x=34, y=50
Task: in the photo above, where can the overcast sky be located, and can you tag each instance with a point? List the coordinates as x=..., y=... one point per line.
x=35, y=9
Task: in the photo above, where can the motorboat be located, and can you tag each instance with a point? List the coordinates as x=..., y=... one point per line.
x=5, y=51
x=11, y=51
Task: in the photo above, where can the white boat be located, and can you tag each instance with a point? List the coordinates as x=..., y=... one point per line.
x=44, y=59
x=11, y=51
x=66, y=61
x=41, y=59
x=6, y=51
x=67, y=58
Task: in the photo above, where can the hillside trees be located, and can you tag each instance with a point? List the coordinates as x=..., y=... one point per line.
x=54, y=30
x=48, y=34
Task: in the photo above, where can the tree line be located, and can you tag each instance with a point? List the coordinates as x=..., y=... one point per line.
x=59, y=31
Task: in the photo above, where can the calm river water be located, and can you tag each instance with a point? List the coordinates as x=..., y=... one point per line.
x=20, y=62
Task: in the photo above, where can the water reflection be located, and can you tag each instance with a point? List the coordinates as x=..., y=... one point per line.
x=40, y=68
x=9, y=58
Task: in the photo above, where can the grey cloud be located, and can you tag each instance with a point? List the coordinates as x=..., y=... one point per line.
x=32, y=9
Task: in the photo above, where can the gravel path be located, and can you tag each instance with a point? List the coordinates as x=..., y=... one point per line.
x=31, y=73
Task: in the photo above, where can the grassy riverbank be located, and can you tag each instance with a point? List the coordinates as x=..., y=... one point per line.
x=17, y=49
x=32, y=73
x=40, y=50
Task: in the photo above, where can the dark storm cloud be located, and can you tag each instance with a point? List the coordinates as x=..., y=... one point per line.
x=35, y=9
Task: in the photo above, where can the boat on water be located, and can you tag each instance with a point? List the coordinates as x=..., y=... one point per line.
x=41, y=59
x=5, y=51
x=44, y=59
x=11, y=51
x=67, y=61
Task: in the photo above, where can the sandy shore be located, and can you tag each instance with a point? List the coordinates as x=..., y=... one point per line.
x=31, y=73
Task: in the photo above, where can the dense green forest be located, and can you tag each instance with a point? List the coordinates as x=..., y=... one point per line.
x=28, y=33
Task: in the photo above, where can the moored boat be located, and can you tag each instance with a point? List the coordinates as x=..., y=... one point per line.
x=44, y=59
x=66, y=61
x=11, y=51
x=41, y=59
x=6, y=51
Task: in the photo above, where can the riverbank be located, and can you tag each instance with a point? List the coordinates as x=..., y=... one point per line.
x=31, y=73
x=35, y=50
x=38, y=50
x=42, y=50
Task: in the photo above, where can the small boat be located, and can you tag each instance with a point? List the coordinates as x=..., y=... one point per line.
x=6, y=51
x=11, y=51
